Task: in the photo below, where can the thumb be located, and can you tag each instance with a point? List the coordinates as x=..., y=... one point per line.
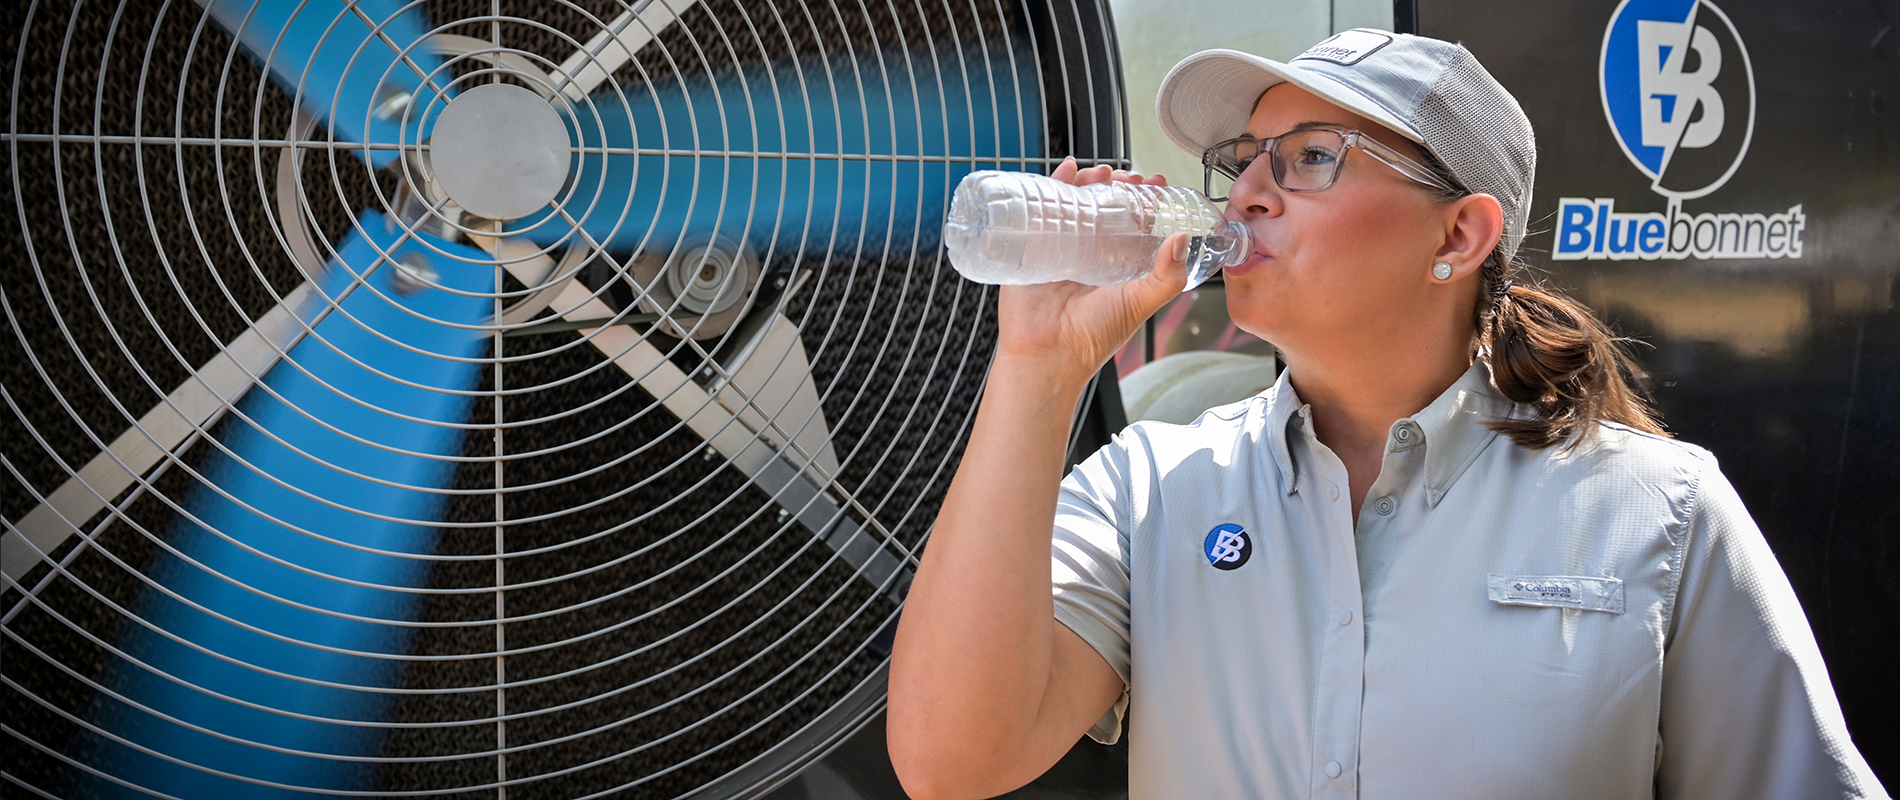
x=1168, y=279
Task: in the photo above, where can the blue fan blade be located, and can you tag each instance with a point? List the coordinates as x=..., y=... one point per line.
x=412, y=462
x=344, y=61
x=890, y=143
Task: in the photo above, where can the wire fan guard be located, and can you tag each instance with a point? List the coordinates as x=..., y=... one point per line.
x=488, y=398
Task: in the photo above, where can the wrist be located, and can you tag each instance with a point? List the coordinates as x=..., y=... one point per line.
x=1059, y=377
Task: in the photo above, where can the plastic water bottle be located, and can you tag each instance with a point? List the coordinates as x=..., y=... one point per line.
x=1018, y=228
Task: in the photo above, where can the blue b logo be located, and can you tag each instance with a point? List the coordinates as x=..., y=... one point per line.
x=1227, y=546
x=1679, y=92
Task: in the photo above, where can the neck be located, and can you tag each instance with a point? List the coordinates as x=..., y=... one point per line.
x=1355, y=400
x=1359, y=401
x=1361, y=378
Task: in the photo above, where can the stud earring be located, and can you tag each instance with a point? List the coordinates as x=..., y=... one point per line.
x=1441, y=270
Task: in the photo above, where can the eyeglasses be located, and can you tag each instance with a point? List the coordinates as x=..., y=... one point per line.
x=1305, y=160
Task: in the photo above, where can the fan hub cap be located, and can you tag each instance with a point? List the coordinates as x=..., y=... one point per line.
x=500, y=151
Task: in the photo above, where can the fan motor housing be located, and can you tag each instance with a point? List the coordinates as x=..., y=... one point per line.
x=700, y=289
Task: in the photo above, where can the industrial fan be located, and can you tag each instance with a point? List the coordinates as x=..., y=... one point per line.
x=487, y=398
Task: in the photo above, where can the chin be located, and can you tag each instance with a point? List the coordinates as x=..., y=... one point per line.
x=1248, y=314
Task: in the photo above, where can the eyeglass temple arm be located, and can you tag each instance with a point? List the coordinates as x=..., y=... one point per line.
x=1405, y=166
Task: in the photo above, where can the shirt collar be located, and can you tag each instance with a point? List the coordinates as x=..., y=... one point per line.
x=1285, y=415
x=1454, y=430
x=1451, y=429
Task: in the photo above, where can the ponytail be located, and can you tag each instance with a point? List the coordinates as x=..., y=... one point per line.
x=1551, y=353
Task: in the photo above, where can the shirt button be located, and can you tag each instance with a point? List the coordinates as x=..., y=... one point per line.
x=1404, y=433
x=1333, y=769
x=1332, y=491
x=1345, y=616
x=1384, y=505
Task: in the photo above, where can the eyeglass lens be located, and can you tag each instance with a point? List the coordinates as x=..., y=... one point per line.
x=1302, y=161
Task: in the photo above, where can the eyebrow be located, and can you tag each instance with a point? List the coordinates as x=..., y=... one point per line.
x=1305, y=126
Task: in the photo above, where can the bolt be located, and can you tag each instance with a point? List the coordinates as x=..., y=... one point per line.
x=413, y=272
x=391, y=101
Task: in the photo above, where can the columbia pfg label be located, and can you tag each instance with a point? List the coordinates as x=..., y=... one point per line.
x=1558, y=591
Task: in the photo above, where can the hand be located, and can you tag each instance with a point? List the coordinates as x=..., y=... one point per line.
x=1073, y=328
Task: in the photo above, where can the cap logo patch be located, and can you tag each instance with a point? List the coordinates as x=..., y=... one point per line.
x=1346, y=48
x=1227, y=547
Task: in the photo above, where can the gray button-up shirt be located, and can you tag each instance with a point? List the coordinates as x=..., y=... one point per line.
x=1604, y=621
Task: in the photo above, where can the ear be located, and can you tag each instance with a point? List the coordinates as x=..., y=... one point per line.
x=1473, y=225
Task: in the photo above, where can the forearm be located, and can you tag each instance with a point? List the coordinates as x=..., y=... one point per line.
x=971, y=671
x=987, y=690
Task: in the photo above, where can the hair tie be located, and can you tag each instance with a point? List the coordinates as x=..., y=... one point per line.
x=1503, y=288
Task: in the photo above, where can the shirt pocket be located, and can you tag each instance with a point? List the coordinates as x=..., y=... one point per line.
x=1558, y=591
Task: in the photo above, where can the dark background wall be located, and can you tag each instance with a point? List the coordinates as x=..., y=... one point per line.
x=1788, y=369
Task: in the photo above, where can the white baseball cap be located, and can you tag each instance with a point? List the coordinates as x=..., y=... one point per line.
x=1430, y=91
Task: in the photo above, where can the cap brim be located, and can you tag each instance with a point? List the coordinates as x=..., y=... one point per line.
x=1210, y=95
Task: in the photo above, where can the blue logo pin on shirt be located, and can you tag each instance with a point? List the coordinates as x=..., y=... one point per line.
x=1227, y=547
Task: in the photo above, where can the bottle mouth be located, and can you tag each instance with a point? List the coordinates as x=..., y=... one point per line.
x=1229, y=244
x=1243, y=243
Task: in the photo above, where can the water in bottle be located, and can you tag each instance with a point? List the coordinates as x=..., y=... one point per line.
x=1018, y=228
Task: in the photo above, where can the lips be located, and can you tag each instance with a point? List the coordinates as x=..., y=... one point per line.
x=1259, y=256
x=1253, y=262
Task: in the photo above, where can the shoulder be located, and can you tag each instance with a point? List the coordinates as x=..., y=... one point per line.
x=1622, y=450
x=1619, y=471
x=1149, y=452
x=1220, y=427
x=1224, y=421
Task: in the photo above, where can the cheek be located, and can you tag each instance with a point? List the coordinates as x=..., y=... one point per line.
x=1369, y=237
x=1370, y=254
x=1343, y=265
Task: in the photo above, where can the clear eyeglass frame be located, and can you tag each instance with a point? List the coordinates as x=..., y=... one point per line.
x=1305, y=160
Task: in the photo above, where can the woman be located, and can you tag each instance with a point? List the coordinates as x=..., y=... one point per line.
x=1450, y=554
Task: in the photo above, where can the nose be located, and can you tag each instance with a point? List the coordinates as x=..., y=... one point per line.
x=1254, y=193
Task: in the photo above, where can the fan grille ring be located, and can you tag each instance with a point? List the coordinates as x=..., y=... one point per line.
x=665, y=622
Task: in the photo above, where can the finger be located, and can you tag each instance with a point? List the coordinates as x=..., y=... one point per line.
x=1065, y=171
x=1096, y=174
x=1156, y=179
x=1171, y=258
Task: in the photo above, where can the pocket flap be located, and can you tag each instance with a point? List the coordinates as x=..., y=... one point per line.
x=1558, y=591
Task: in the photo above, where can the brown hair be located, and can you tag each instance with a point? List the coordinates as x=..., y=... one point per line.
x=1551, y=353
